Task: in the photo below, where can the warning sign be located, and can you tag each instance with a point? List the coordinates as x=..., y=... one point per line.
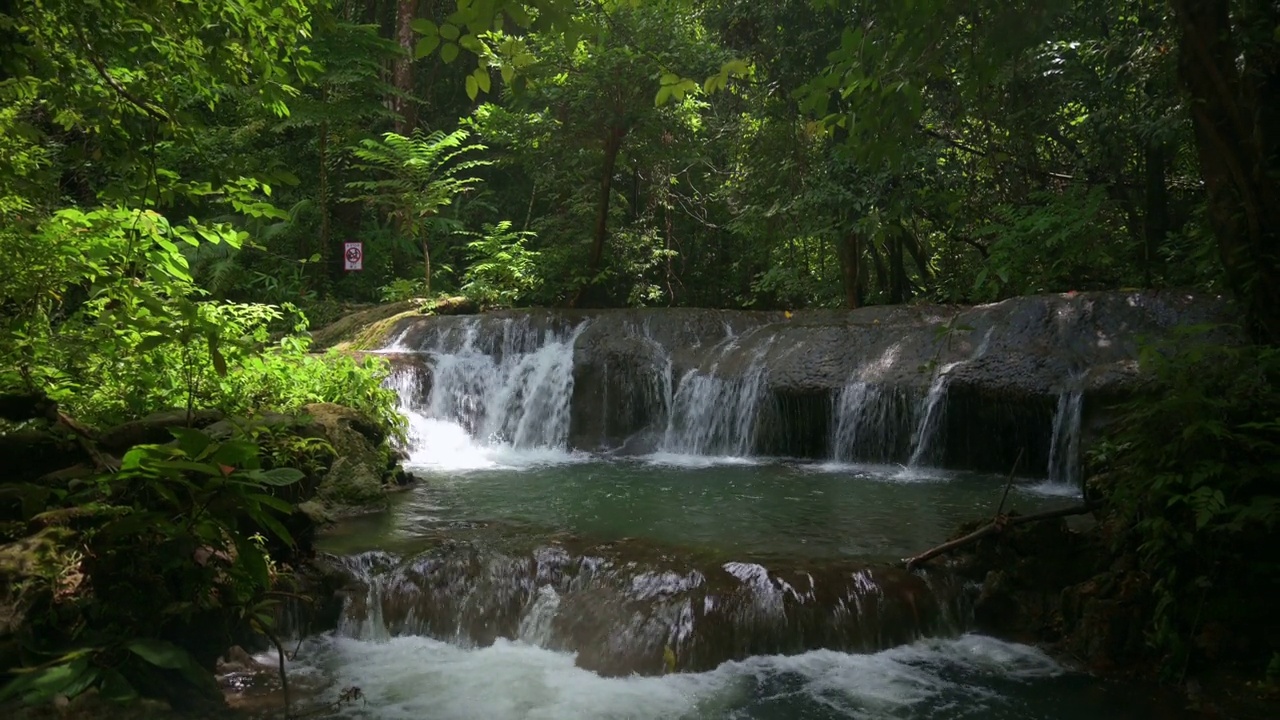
x=353, y=256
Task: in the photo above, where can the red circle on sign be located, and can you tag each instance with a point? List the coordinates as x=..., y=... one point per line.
x=353, y=254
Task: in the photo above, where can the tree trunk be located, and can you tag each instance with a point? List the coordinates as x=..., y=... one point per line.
x=612, y=146
x=1155, y=220
x=322, y=199
x=402, y=73
x=426, y=261
x=850, y=253
x=1233, y=108
x=897, y=274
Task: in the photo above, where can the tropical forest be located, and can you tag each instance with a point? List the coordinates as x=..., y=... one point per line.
x=639, y=359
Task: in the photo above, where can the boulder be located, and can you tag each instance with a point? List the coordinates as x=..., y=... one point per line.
x=356, y=479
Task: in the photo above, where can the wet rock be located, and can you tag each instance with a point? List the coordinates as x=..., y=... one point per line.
x=624, y=608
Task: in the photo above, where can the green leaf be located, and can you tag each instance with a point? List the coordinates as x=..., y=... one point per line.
x=275, y=527
x=189, y=466
x=271, y=501
x=279, y=477
x=151, y=342
x=41, y=685
x=449, y=52
x=161, y=653
x=249, y=556
x=192, y=442
x=473, y=88
x=116, y=688
x=425, y=27
x=449, y=31
x=482, y=79
x=426, y=46
x=219, y=362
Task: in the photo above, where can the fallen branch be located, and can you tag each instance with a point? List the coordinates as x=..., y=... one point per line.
x=994, y=527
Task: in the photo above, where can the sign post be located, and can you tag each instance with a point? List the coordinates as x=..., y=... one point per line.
x=352, y=256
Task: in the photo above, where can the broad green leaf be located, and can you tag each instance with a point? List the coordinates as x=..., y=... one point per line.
x=151, y=342
x=449, y=52
x=482, y=79
x=275, y=527
x=161, y=653
x=425, y=27
x=116, y=688
x=473, y=88
x=219, y=362
x=449, y=31
x=42, y=685
x=192, y=442
x=280, y=477
x=426, y=46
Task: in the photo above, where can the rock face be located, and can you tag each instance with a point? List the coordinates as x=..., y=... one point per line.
x=358, y=474
x=984, y=382
x=621, y=607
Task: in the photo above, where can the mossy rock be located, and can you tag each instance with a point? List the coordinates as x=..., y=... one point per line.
x=365, y=329
x=355, y=479
x=370, y=328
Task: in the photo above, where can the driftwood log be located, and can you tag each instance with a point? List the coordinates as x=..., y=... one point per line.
x=998, y=523
x=994, y=527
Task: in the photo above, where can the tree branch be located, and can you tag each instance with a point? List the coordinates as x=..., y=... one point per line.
x=993, y=528
x=120, y=90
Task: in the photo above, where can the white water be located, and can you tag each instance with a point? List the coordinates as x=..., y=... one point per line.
x=715, y=416
x=411, y=678
x=865, y=417
x=926, y=435
x=925, y=450
x=487, y=409
x=1064, y=450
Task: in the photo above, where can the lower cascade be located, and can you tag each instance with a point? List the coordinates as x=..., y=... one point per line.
x=623, y=613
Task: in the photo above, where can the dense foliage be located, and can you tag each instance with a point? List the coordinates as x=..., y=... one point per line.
x=177, y=180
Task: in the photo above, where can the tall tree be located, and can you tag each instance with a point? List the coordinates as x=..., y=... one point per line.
x=1229, y=66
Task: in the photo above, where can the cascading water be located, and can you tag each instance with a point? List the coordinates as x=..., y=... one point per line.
x=868, y=423
x=925, y=444
x=1064, y=450
x=927, y=448
x=618, y=609
x=715, y=415
x=482, y=397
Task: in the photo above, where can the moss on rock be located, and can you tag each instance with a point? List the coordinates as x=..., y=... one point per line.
x=356, y=479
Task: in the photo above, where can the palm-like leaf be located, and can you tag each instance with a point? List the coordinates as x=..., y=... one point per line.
x=419, y=174
x=414, y=177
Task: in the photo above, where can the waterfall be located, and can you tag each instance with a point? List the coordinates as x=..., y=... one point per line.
x=618, y=607
x=714, y=415
x=868, y=420
x=1064, y=448
x=932, y=408
x=927, y=448
x=487, y=393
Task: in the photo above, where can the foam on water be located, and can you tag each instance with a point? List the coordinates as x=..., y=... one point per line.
x=683, y=460
x=415, y=677
x=1050, y=488
x=477, y=410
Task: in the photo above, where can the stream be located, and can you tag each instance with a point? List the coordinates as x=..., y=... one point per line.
x=689, y=579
